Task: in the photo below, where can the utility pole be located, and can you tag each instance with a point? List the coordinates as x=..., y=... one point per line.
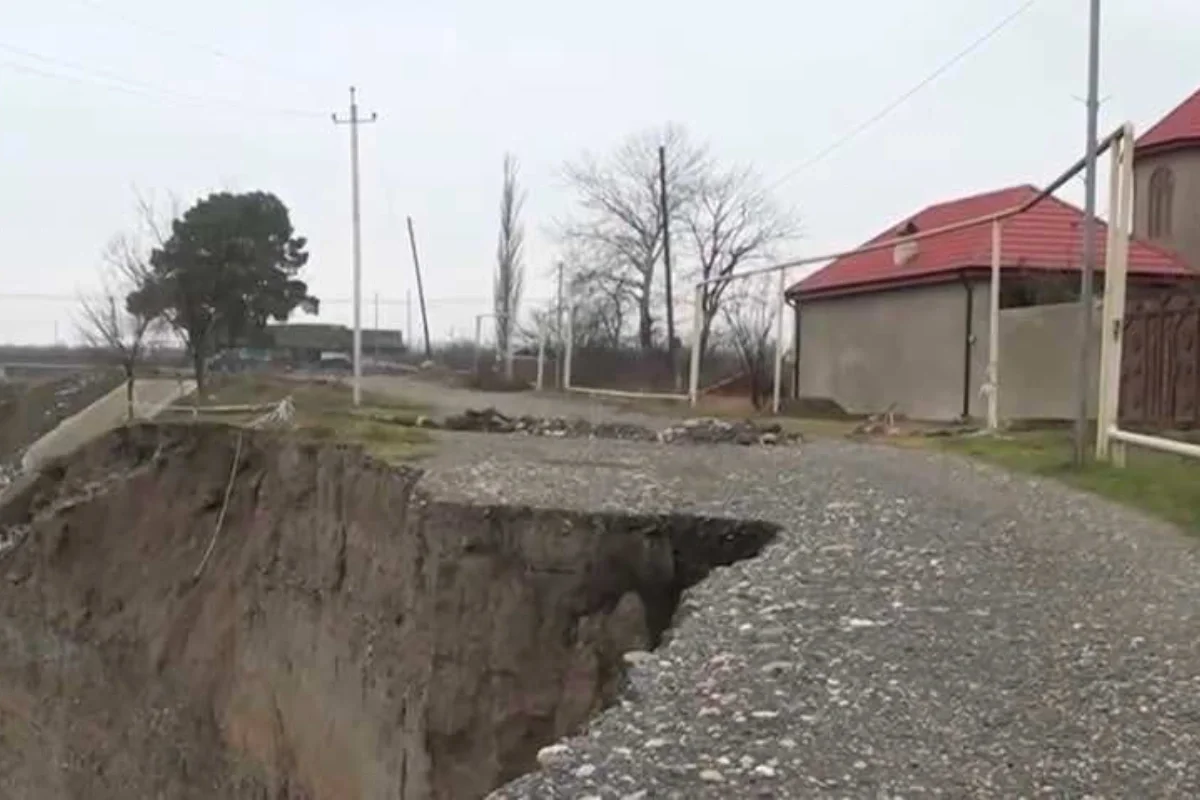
x=666, y=234
x=1089, y=235
x=412, y=241
x=354, y=121
x=558, y=328
x=376, y=348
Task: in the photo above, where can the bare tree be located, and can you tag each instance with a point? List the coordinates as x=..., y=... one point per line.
x=731, y=222
x=749, y=314
x=510, y=268
x=107, y=323
x=622, y=209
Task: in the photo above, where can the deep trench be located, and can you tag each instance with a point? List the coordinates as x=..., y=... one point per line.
x=350, y=637
x=623, y=597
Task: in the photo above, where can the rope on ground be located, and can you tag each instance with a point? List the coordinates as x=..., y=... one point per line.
x=280, y=415
x=237, y=455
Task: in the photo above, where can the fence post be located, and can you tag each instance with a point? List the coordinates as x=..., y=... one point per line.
x=541, y=359
x=478, y=342
x=569, y=347
x=697, y=324
x=1113, y=319
x=776, y=397
x=1104, y=418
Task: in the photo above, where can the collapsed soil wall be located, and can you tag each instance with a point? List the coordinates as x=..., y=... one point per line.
x=348, y=637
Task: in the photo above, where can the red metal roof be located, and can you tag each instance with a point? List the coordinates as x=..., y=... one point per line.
x=1181, y=126
x=1046, y=237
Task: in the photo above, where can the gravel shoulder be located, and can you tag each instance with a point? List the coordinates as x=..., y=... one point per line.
x=922, y=626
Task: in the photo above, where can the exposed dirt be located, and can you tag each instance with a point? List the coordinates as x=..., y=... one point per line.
x=33, y=407
x=350, y=636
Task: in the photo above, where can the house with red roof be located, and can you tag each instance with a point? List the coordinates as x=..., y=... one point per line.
x=1167, y=182
x=907, y=326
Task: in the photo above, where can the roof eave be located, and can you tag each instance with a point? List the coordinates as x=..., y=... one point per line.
x=1166, y=146
x=952, y=274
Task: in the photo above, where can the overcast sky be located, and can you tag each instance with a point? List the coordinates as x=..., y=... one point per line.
x=100, y=96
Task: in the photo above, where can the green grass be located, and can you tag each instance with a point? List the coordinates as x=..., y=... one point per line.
x=1161, y=484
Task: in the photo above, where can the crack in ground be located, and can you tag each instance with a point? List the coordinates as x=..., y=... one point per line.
x=386, y=642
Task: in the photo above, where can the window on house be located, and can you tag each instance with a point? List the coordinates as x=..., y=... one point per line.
x=1162, y=192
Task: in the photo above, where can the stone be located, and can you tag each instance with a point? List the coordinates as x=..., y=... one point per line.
x=553, y=754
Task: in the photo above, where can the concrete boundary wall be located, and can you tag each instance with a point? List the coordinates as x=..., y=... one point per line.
x=1039, y=362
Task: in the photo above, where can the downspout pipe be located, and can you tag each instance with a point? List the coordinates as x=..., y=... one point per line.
x=968, y=345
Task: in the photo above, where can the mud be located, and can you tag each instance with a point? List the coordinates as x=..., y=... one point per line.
x=350, y=636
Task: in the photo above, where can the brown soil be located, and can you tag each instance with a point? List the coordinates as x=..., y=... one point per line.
x=349, y=637
x=31, y=408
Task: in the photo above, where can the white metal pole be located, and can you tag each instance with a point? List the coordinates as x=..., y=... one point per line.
x=697, y=322
x=569, y=347
x=541, y=359
x=777, y=397
x=1121, y=264
x=1103, y=416
x=993, y=368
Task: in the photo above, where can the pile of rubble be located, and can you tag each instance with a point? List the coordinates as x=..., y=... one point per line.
x=708, y=430
x=704, y=430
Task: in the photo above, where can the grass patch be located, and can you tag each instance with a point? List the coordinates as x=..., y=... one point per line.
x=1161, y=484
x=383, y=424
x=236, y=390
x=389, y=442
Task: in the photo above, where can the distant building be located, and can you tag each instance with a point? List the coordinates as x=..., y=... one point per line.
x=304, y=343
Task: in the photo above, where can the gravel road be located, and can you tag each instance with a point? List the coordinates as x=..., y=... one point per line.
x=923, y=626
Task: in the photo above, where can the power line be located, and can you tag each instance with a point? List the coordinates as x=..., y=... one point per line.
x=213, y=51
x=462, y=300
x=906, y=96
x=111, y=80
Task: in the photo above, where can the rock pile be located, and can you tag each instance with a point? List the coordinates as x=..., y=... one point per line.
x=704, y=430
x=709, y=430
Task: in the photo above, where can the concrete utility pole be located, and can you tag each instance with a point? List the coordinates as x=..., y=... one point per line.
x=354, y=121
x=412, y=241
x=666, y=234
x=1089, y=238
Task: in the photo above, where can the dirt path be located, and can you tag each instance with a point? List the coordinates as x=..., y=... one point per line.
x=450, y=400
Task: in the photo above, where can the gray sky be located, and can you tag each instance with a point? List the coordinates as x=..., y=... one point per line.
x=236, y=94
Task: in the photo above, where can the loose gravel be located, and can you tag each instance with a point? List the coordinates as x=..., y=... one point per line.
x=923, y=626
